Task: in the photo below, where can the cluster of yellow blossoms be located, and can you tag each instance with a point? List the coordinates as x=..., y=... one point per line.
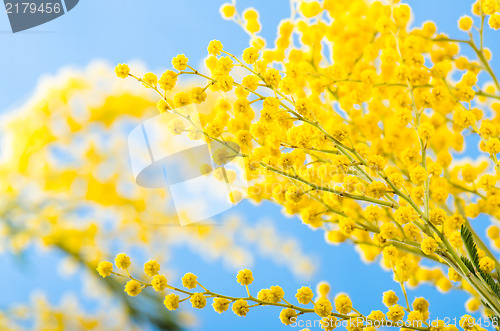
x=331, y=313
x=67, y=189
x=355, y=120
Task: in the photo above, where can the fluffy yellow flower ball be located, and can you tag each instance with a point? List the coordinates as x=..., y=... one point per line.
x=171, y=301
x=220, y=305
x=214, y=47
x=487, y=264
x=465, y=23
x=122, y=70
x=198, y=300
x=122, y=261
x=151, y=268
x=159, y=283
x=180, y=62
x=240, y=307
x=105, y=269
x=343, y=304
x=304, y=295
x=395, y=313
x=189, y=280
x=390, y=298
x=288, y=316
x=429, y=246
x=244, y=277
x=227, y=11
x=133, y=288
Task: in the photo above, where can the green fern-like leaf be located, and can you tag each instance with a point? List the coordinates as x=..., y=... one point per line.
x=468, y=264
x=470, y=245
x=491, y=282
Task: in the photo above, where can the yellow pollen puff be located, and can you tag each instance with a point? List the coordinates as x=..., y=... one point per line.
x=133, y=288
x=293, y=194
x=494, y=21
x=453, y=275
x=472, y=305
x=122, y=70
x=323, y=307
x=276, y=294
x=492, y=146
x=250, y=55
x=335, y=237
x=323, y=288
x=159, y=282
x=227, y=11
x=493, y=232
x=224, y=83
x=122, y=261
x=182, y=99
x=151, y=268
x=171, y=301
x=198, y=300
x=310, y=8
x=390, y=298
x=487, y=264
x=105, y=269
x=343, y=304
x=214, y=47
x=252, y=26
x=224, y=65
x=418, y=175
x=258, y=42
x=162, y=106
x=465, y=23
x=487, y=182
x=490, y=7
x=220, y=305
x=180, y=62
x=388, y=231
x=404, y=214
x=244, y=277
x=287, y=316
x=347, y=226
x=438, y=216
x=395, y=313
x=304, y=295
x=198, y=95
x=426, y=131
x=250, y=14
x=167, y=80
x=251, y=82
x=150, y=80
x=272, y=77
x=189, y=280
x=240, y=307
x=390, y=253
x=429, y=246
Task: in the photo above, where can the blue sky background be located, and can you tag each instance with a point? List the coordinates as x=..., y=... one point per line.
x=154, y=31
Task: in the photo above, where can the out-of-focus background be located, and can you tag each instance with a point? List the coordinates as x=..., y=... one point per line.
x=151, y=33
